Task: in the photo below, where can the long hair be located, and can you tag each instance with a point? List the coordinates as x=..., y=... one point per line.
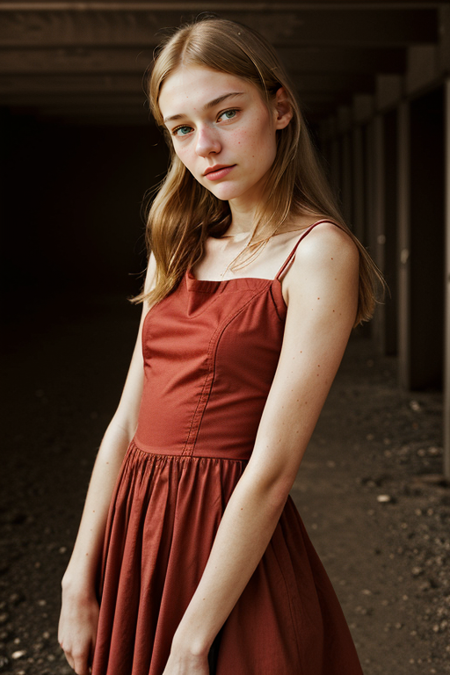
x=184, y=213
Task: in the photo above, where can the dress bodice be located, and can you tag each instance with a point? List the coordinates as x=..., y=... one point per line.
x=210, y=351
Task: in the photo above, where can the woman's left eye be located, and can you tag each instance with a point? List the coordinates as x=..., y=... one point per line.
x=228, y=114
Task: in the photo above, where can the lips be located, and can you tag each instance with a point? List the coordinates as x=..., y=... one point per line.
x=218, y=171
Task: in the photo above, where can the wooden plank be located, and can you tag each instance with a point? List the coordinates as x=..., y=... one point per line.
x=214, y=5
x=349, y=60
x=282, y=25
x=62, y=84
x=132, y=62
x=75, y=60
x=306, y=62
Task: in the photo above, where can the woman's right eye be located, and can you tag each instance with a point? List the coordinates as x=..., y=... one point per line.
x=181, y=131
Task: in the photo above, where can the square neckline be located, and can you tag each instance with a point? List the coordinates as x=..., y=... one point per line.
x=226, y=281
x=189, y=274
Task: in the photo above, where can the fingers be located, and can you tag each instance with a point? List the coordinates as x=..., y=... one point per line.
x=77, y=634
x=78, y=662
x=81, y=666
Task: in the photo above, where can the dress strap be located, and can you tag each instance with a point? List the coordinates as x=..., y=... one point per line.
x=292, y=253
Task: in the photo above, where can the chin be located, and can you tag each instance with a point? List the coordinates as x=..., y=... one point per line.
x=225, y=192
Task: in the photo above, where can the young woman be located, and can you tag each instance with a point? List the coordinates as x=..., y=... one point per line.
x=189, y=541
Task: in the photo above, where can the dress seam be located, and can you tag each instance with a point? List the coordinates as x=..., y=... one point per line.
x=209, y=379
x=280, y=318
x=148, y=454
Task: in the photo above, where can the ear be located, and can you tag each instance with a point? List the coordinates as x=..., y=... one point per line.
x=283, y=109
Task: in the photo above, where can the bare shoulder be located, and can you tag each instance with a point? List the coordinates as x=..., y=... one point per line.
x=327, y=245
x=325, y=265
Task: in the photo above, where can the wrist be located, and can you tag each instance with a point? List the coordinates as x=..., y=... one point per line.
x=186, y=643
x=82, y=570
x=78, y=584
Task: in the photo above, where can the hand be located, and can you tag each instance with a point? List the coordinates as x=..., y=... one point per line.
x=78, y=629
x=186, y=664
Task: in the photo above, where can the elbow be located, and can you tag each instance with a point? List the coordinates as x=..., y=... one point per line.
x=279, y=491
x=125, y=422
x=273, y=490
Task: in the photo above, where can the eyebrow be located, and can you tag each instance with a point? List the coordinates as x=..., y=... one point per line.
x=209, y=105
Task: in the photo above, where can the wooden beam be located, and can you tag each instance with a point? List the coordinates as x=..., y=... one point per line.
x=119, y=63
x=75, y=60
x=283, y=25
x=313, y=92
x=348, y=60
x=213, y=6
x=62, y=84
x=307, y=61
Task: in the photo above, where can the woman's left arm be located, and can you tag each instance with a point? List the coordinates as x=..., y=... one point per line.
x=322, y=290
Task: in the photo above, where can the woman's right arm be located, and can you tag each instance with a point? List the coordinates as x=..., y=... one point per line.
x=79, y=611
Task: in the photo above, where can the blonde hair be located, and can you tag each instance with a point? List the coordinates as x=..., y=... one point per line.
x=184, y=213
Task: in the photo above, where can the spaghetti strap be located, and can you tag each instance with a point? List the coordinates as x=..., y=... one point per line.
x=292, y=253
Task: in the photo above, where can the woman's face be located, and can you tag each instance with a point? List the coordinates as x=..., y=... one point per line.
x=222, y=130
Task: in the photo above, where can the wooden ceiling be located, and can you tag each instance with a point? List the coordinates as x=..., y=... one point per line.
x=84, y=61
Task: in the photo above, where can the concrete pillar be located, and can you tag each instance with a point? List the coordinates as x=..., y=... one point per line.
x=370, y=187
x=378, y=238
x=347, y=183
x=403, y=201
x=336, y=167
x=427, y=240
x=421, y=234
x=390, y=199
x=358, y=183
x=447, y=282
x=344, y=122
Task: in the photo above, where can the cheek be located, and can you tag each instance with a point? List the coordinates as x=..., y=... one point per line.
x=255, y=141
x=184, y=155
x=258, y=140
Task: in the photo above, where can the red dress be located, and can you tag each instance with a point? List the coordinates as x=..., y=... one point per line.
x=210, y=353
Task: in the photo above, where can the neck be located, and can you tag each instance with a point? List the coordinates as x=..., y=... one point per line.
x=242, y=221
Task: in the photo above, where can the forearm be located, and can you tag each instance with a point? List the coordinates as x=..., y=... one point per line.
x=83, y=565
x=244, y=533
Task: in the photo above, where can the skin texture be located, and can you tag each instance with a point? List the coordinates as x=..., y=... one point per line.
x=238, y=131
x=320, y=289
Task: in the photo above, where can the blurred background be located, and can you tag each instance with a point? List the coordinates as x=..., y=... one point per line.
x=79, y=152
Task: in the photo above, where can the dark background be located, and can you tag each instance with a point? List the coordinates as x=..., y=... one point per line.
x=73, y=206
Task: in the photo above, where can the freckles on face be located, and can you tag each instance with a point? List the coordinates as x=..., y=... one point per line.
x=218, y=119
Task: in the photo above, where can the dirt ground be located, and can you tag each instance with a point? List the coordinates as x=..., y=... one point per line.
x=366, y=488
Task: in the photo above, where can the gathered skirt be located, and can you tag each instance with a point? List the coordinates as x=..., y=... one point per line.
x=164, y=515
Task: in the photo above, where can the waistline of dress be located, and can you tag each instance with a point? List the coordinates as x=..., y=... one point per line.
x=209, y=453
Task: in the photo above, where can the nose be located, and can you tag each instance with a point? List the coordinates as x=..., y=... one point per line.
x=207, y=142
